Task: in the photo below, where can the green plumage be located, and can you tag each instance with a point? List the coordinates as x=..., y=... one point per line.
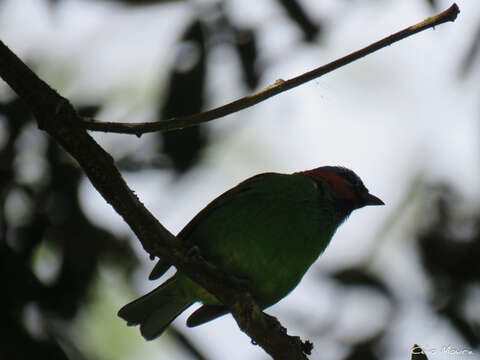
x=267, y=230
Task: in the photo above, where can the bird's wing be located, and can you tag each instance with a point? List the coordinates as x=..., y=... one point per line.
x=244, y=187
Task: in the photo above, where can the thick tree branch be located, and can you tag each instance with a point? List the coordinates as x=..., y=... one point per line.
x=58, y=118
x=280, y=85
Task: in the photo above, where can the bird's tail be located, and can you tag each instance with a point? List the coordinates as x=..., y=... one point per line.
x=157, y=309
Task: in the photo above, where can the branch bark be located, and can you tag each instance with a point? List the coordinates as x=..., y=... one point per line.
x=278, y=87
x=58, y=118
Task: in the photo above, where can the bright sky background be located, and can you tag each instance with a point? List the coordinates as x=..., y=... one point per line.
x=402, y=111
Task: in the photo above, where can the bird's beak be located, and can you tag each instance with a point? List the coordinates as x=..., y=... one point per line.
x=372, y=200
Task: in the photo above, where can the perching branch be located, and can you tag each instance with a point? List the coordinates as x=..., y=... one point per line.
x=58, y=118
x=280, y=85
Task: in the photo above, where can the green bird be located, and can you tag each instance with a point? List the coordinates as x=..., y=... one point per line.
x=268, y=230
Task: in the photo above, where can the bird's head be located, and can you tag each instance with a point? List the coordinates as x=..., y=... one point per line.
x=346, y=188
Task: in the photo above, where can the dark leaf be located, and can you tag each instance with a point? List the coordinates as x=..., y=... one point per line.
x=298, y=15
x=359, y=277
x=185, y=97
x=246, y=46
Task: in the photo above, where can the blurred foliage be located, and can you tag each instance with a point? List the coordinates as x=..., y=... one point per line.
x=450, y=254
x=41, y=217
x=41, y=212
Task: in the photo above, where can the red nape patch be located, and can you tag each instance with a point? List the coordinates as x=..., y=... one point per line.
x=338, y=184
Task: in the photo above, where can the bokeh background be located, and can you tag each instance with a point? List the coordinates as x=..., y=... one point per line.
x=406, y=119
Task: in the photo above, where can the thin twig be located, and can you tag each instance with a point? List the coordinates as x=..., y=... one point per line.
x=280, y=85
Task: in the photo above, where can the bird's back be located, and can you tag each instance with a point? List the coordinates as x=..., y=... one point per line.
x=267, y=230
